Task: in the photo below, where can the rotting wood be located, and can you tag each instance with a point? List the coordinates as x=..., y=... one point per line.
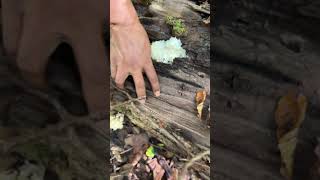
x=176, y=106
x=253, y=67
x=172, y=117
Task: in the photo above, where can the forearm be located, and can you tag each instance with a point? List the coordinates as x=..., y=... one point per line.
x=122, y=12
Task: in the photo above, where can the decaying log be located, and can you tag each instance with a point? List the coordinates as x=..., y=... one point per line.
x=172, y=117
x=260, y=54
x=184, y=9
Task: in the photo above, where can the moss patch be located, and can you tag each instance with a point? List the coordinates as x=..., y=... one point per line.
x=178, y=27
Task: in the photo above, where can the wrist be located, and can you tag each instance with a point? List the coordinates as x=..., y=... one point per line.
x=123, y=13
x=129, y=26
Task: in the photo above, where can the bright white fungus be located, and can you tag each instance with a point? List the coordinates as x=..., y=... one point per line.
x=116, y=121
x=167, y=51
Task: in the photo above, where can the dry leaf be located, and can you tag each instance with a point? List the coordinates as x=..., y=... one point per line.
x=164, y=164
x=156, y=168
x=207, y=21
x=287, y=145
x=116, y=151
x=136, y=158
x=139, y=142
x=200, y=98
x=290, y=112
x=175, y=174
x=289, y=116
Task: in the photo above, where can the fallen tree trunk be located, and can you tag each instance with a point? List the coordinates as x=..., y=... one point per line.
x=260, y=54
x=76, y=145
x=172, y=117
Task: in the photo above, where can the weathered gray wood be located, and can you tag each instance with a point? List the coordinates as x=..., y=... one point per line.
x=260, y=53
x=231, y=165
x=183, y=133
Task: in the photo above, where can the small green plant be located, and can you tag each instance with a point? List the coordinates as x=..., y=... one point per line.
x=178, y=27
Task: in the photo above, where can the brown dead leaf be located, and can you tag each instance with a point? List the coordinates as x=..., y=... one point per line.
x=289, y=116
x=164, y=164
x=200, y=98
x=136, y=158
x=139, y=142
x=290, y=112
x=175, y=174
x=156, y=168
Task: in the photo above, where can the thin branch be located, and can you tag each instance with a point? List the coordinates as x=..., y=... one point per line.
x=198, y=8
x=192, y=161
x=123, y=152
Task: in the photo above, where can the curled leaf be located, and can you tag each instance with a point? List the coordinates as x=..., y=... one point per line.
x=200, y=98
x=156, y=168
x=289, y=116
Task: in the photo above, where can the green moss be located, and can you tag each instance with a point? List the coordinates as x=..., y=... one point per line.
x=178, y=27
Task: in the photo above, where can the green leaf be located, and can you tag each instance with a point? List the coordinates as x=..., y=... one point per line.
x=150, y=152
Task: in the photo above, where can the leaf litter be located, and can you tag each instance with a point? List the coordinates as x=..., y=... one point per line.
x=139, y=157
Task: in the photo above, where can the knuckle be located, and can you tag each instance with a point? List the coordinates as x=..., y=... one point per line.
x=153, y=79
x=118, y=81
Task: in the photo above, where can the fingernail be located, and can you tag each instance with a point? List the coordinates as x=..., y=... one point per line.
x=157, y=93
x=142, y=100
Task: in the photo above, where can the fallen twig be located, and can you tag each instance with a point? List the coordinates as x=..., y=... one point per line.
x=198, y=8
x=191, y=162
x=123, y=152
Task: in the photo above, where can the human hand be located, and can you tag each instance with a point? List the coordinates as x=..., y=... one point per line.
x=78, y=23
x=131, y=55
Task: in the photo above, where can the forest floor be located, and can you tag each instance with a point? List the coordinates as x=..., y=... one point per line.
x=47, y=135
x=164, y=138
